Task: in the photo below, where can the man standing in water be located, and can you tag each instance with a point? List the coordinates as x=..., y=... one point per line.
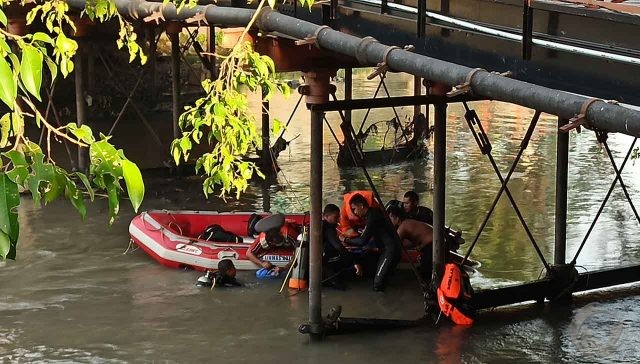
x=414, y=211
x=378, y=228
x=416, y=235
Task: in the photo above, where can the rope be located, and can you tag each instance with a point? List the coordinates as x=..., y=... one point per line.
x=129, y=247
x=295, y=196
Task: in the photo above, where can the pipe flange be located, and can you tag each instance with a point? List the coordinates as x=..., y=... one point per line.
x=260, y=20
x=466, y=86
x=580, y=119
x=382, y=67
x=316, y=34
x=360, y=48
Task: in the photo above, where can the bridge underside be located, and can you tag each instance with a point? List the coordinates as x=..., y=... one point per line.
x=578, y=29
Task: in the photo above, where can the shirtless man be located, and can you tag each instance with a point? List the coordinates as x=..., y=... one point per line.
x=415, y=235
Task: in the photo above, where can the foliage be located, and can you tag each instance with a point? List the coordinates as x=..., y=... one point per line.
x=222, y=118
x=25, y=166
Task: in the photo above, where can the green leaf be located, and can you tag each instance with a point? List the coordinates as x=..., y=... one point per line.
x=9, y=201
x=40, y=173
x=272, y=4
x=87, y=185
x=83, y=133
x=4, y=46
x=75, y=196
x=277, y=126
x=3, y=18
x=9, y=89
x=105, y=159
x=18, y=174
x=53, y=69
x=56, y=185
x=5, y=128
x=133, y=180
x=31, y=70
x=17, y=158
x=114, y=202
x=5, y=245
x=42, y=37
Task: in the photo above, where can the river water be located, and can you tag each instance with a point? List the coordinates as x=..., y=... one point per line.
x=74, y=296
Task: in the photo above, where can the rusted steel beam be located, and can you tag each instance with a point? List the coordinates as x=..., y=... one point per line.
x=530, y=291
x=607, y=277
x=537, y=290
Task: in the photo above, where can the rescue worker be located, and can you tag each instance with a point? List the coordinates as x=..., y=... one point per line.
x=336, y=259
x=376, y=226
x=350, y=223
x=276, y=238
x=413, y=210
x=416, y=235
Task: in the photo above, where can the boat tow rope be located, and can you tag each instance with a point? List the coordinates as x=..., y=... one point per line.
x=484, y=144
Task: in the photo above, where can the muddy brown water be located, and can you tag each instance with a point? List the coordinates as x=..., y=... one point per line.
x=73, y=296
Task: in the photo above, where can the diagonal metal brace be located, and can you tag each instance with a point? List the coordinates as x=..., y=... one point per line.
x=606, y=198
x=504, y=188
x=619, y=176
x=479, y=135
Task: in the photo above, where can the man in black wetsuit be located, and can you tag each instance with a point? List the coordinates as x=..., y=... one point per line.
x=377, y=227
x=336, y=259
x=414, y=211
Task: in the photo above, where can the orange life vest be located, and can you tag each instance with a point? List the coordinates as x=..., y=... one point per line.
x=348, y=220
x=455, y=290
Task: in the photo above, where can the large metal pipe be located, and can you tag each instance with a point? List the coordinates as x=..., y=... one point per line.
x=562, y=169
x=601, y=115
x=315, y=249
x=81, y=103
x=439, y=193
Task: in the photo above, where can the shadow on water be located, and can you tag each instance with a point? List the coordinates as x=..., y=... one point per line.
x=73, y=296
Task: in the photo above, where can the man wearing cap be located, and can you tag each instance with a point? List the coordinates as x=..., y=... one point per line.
x=276, y=234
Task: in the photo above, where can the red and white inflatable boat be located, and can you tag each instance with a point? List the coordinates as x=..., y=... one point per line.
x=171, y=238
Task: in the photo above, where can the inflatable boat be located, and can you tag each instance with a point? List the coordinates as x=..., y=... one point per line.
x=175, y=239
